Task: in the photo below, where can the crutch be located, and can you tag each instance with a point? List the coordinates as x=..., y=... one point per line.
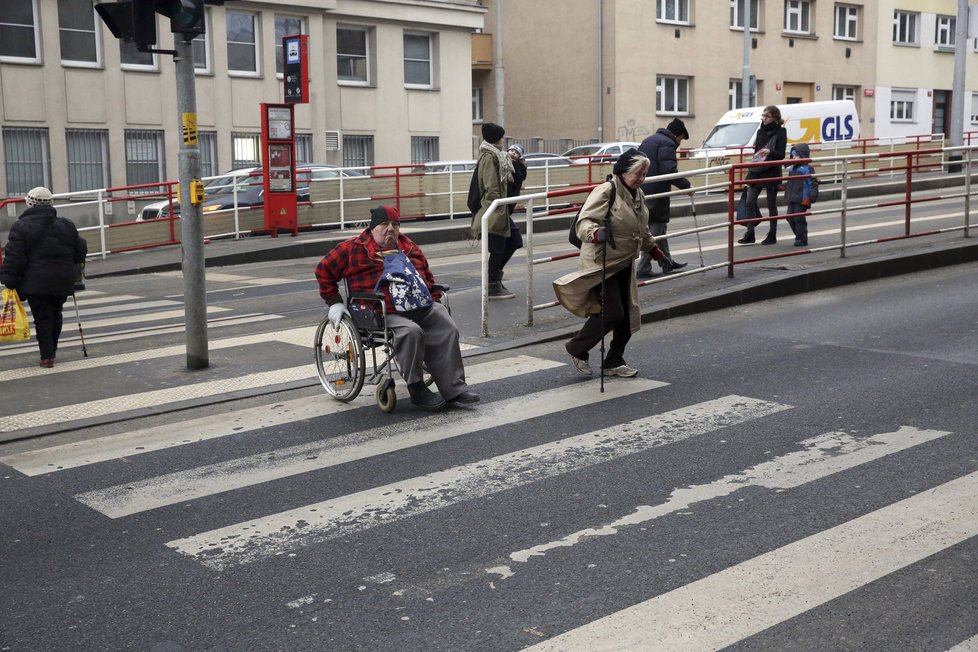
x=80, y=333
x=696, y=225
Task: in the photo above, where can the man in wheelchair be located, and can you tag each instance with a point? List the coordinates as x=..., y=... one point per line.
x=383, y=260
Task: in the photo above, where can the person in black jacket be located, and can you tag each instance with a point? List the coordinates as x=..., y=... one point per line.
x=769, y=145
x=39, y=262
x=660, y=147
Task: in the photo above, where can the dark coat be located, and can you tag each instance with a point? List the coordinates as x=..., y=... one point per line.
x=516, y=183
x=41, y=253
x=775, y=135
x=660, y=147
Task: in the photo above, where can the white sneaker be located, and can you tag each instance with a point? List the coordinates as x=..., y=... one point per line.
x=582, y=365
x=624, y=371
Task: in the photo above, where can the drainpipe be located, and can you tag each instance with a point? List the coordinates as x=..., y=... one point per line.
x=498, y=66
x=600, y=71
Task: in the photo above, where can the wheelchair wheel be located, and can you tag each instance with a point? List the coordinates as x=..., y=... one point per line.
x=340, y=361
x=386, y=396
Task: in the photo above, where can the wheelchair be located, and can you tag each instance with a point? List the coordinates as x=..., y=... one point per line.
x=342, y=353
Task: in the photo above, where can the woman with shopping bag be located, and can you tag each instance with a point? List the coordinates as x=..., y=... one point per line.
x=39, y=262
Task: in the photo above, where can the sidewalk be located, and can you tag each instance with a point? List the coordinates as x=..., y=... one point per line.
x=684, y=294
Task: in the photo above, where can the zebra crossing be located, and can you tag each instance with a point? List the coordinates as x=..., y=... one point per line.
x=714, y=611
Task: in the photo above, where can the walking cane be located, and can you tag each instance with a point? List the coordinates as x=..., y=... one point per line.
x=604, y=269
x=696, y=225
x=80, y=333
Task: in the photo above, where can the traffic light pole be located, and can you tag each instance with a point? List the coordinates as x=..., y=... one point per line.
x=191, y=220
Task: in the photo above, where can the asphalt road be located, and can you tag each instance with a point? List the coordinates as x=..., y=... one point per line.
x=794, y=474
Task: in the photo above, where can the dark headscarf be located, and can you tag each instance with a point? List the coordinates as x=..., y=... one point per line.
x=625, y=161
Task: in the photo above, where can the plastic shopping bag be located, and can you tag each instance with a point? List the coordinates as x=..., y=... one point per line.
x=13, y=320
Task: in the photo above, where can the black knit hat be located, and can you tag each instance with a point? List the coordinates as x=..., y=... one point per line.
x=492, y=133
x=678, y=128
x=626, y=160
x=383, y=214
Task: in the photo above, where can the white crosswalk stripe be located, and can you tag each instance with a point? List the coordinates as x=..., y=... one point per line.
x=247, y=542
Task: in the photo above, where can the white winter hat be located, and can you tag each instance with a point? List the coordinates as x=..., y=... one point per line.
x=39, y=196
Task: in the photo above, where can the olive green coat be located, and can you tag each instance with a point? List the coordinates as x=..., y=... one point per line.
x=490, y=187
x=579, y=291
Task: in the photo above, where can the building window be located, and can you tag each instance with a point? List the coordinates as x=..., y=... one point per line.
x=144, y=158
x=944, y=33
x=844, y=93
x=242, y=35
x=245, y=150
x=735, y=95
x=358, y=151
x=905, y=27
x=902, y=106
x=846, y=22
x=672, y=95
x=28, y=159
x=207, y=141
x=974, y=108
x=424, y=149
x=672, y=11
x=76, y=31
x=303, y=149
x=737, y=14
x=18, y=32
x=417, y=60
x=285, y=26
x=88, y=159
x=133, y=59
x=477, y=114
x=352, y=64
x=798, y=16
x=202, y=47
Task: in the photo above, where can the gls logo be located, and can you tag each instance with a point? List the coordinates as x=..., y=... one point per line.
x=838, y=127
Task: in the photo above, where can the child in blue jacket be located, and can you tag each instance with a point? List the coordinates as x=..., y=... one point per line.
x=798, y=194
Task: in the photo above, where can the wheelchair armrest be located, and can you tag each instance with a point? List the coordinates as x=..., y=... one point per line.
x=369, y=296
x=438, y=287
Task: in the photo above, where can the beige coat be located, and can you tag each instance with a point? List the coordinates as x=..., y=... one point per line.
x=492, y=188
x=579, y=291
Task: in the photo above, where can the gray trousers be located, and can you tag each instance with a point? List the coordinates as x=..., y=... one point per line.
x=432, y=339
x=645, y=261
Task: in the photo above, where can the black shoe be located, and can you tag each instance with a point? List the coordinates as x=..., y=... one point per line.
x=644, y=275
x=801, y=243
x=424, y=398
x=676, y=265
x=769, y=240
x=465, y=398
x=747, y=239
x=497, y=291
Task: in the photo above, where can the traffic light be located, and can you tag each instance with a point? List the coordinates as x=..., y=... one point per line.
x=186, y=16
x=135, y=20
x=130, y=20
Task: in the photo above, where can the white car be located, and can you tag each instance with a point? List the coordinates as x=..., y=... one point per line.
x=597, y=152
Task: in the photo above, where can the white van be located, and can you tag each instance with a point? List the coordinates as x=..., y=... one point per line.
x=808, y=122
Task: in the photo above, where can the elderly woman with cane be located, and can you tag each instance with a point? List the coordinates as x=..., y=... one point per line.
x=613, y=232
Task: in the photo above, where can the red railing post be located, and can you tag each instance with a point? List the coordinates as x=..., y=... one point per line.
x=906, y=208
x=731, y=210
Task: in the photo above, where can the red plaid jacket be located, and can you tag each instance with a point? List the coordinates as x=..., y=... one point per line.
x=361, y=261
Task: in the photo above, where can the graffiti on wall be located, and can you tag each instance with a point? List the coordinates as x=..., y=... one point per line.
x=631, y=131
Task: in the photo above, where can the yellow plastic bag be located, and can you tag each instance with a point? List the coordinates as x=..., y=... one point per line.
x=13, y=320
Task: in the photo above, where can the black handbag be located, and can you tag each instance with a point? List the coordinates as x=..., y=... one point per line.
x=741, y=213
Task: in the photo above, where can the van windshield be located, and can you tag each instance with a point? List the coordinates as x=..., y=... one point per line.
x=733, y=135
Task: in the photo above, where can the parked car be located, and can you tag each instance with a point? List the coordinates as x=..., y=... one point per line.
x=598, y=152
x=447, y=166
x=544, y=159
x=248, y=183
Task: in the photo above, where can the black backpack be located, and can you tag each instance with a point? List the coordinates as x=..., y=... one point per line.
x=474, y=200
x=572, y=233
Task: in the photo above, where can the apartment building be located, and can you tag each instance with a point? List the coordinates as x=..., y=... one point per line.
x=684, y=58
x=915, y=69
x=390, y=83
